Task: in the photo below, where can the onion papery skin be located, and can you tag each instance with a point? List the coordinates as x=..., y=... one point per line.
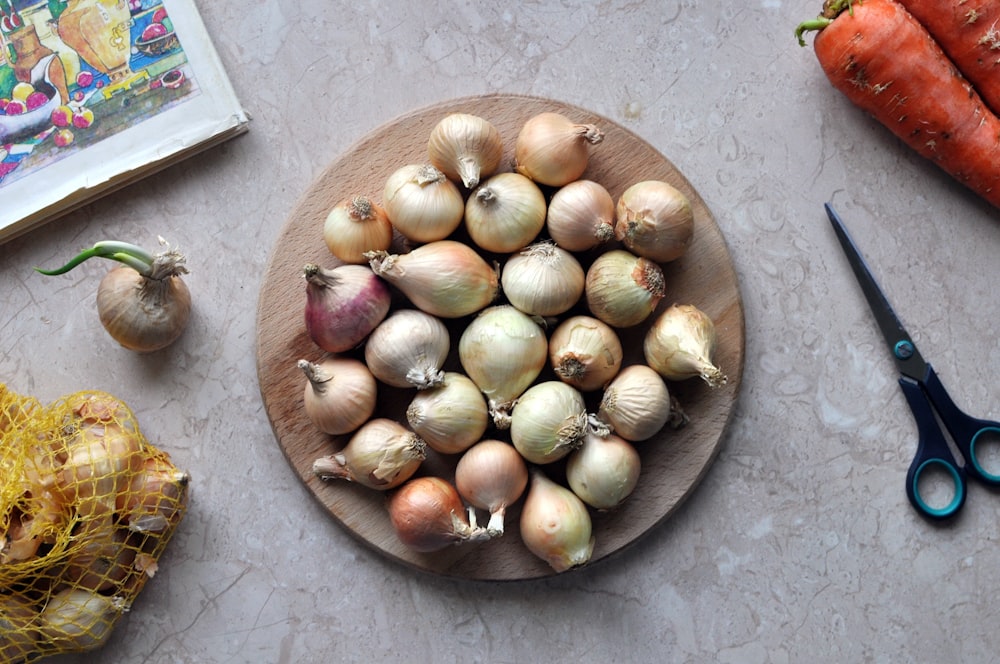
x=465, y=147
x=450, y=417
x=408, y=349
x=585, y=352
x=636, y=404
x=503, y=351
x=422, y=203
x=654, y=220
x=343, y=305
x=623, y=289
x=141, y=313
x=505, y=213
x=581, y=216
x=543, y=280
x=555, y=524
x=680, y=344
x=492, y=476
x=548, y=422
x=553, y=150
x=428, y=515
x=604, y=471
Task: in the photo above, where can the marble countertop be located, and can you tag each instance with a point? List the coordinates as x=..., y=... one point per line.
x=798, y=545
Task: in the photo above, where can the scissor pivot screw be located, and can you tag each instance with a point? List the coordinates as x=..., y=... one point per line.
x=903, y=350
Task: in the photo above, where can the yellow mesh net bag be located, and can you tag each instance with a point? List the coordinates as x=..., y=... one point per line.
x=87, y=506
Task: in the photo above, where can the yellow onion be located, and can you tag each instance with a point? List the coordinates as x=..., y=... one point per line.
x=502, y=350
x=339, y=394
x=102, y=460
x=465, y=147
x=450, y=417
x=542, y=280
x=680, y=344
x=654, y=220
x=18, y=635
x=408, y=349
x=381, y=455
x=553, y=150
x=422, y=203
x=585, y=352
x=505, y=213
x=444, y=278
x=555, y=524
x=102, y=557
x=637, y=404
x=428, y=515
x=604, y=471
x=623, y=289
x=355, y=226
x=548, y=422
x=77, y=619
x=491, y=475
x=581, y=216
x=156, y=495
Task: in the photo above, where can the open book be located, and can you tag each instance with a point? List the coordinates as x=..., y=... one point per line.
x=95, y=94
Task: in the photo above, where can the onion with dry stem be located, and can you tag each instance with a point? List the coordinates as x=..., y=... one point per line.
x=339, y=394
x=466, y=147
x=680, y=344
x=381, y=455
x=491, y=475
x=553, y=150
x=428, y=515
x=654, y=220
x=355, y=226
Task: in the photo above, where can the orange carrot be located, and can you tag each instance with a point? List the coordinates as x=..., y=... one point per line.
x=968, y=31
x=886, y=63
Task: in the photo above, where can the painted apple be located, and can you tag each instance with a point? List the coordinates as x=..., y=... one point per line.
x=159, y=15
x=3, y=103
x=22, y=90
x=63, y=137
x=84, y=78
x=153, y=31
x=35, y=100
x=15, y=107
x=83, y=118
x=62, y=116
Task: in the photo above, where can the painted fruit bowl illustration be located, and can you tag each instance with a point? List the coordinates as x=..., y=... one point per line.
x=15, y=127
x=154, y=43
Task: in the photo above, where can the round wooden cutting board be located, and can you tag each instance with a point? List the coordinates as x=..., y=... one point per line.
x=673, y=462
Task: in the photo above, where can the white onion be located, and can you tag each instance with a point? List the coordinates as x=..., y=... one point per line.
x=451, y=416
x=542, y=280
x=604, y=471
x=585, y=352
x=408, y=349
x=505, y=213
x=548, y=422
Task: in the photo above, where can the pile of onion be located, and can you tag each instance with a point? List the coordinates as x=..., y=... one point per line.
x=536, y=271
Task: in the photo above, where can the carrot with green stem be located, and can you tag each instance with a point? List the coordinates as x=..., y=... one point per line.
x=886, y=63
x=968, y=31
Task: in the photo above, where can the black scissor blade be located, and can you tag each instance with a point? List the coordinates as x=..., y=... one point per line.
x=900, y=345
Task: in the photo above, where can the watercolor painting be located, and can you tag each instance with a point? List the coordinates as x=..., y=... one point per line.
x=74, y=72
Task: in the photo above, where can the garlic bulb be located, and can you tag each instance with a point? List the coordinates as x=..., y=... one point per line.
x=381, y=455
x=502, y=350
x=548, y=422
x=680, y=344
x=354, y=226
x=422, y=203
x=408, y=349
x=339, y=394
x=465, y=147
x=542, y=280
x=637, y=404
x=552, y=149
x=450, y=417
x=428, y=515
x=585, y=352
x=623, y=289
x=491, y=475
x=555, y=524
x=505, y=213
x=444, y=278
x=654, y=220
x=581, y=216
x=604, y=471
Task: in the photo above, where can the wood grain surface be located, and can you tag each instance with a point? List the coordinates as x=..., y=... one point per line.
x=673, y=462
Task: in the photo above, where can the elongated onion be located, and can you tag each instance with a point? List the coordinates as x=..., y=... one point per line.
x=505, y=213
x=343, y=305
x=465, y=147
x=491, y=475
x=451, y=416
x=604, y=471
x=444, y=278
x=339, y=394
x=408, y=349
x=654, y=220
x=623, y=289
x=548, y=422
x=585, y=352
x=381, y=455
x=637, y=404
x=680, y=344
x=542, y=280
x=555, y=524
x=581, y=216
x=422, y=203
x=428, y=515
x=502, y=350
x=552, y=149
x=355, y=226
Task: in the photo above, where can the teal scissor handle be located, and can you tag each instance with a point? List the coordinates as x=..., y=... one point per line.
x=925, y=398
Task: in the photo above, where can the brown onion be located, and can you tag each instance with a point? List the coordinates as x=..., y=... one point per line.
x=491, y=475
x=553, y=150
x=428, y=515
x=654, y=220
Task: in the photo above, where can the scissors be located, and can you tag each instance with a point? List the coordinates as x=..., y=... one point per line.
x=929, y=401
